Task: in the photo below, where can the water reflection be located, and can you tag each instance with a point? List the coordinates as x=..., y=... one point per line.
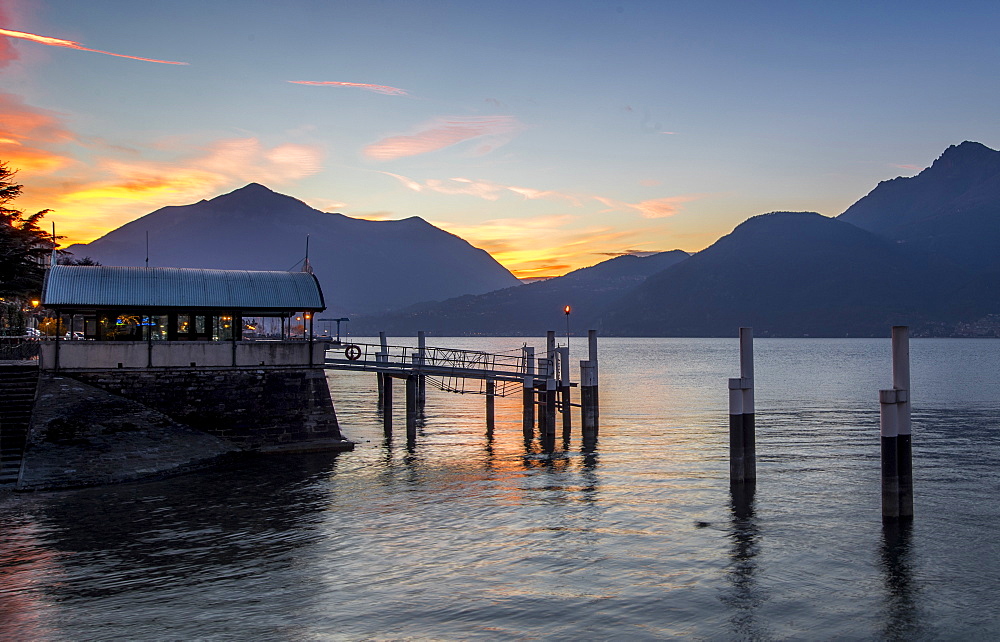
x=746, y=594
x=901, y=621
x=146, y=536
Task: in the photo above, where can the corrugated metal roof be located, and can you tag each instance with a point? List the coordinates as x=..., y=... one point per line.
x=89, y=286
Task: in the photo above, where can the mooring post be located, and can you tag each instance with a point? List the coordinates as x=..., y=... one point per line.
x=588, y=407
x=411, y=407
x=889, y=429
x=549, y=434
x=528, y=394
x=543, y=375
x=567, y=414
x=381, y=357
x=491, y=389
x=386, y=404
x=742, y=419
x=904, y=450
x=421, y=380
x=749, y=412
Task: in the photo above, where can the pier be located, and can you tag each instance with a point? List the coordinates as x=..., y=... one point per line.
x=544, y=383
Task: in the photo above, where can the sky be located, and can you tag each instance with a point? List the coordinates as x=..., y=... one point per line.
x=553, y=134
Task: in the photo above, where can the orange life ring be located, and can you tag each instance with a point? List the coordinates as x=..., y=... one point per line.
x=352, y=352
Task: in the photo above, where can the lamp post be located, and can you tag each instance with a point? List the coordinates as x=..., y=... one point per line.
x=567, y=311
x=337, y=342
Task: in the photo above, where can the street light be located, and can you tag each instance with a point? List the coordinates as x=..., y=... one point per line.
x=567, y=311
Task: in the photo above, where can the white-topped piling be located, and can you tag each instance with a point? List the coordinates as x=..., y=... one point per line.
x=742, y=416
x=564, y=393
x=589, y=405
x=896, y=439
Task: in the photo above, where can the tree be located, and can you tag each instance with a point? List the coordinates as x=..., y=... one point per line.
x=23, y=244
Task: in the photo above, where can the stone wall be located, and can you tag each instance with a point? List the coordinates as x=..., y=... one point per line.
x=266, y=409
x=84, y=436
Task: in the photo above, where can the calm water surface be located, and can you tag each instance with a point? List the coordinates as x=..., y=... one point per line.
x=469, y=537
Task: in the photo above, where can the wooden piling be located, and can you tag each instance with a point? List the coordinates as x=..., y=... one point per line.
x=528, y=394
x=386, y=404
x=411, y=407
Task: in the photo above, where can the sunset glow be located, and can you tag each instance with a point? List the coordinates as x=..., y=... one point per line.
x=552, y=148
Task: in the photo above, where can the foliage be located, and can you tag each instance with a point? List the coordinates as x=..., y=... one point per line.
x=23, y=244
x=51, y=327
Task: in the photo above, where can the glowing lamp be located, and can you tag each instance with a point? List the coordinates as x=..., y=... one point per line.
x=34, y=303
x=566, y=309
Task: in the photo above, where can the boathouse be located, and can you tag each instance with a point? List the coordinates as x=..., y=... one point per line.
x=165, y=376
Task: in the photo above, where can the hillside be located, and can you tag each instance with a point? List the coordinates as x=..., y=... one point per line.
x=363, y=266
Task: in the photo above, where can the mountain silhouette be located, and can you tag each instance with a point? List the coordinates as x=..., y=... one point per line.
x=528, y=309
x=363, y=266
x=950, y=210
x=786, y=274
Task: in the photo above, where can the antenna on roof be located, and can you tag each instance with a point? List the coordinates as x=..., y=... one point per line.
x=53, y=260
x=305, y=263
x=147, y=248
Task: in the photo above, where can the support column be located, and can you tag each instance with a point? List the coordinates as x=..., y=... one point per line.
x=421, y=360
x=491, y=389
x=588, y=402
x=742, y=418
x=549, y=434
x=564, y=393
x=889, y=428
x=543, y=375
x=411, y=408
x=901, y=382
x=528, y=394
x=749, y=412
x=381, y=357
x=386, y=404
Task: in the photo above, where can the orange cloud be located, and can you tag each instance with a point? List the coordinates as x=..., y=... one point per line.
x=912, y=168
x=25, y=131
x=379, y=89
x=57, y=42
x=444, y=133
x=111, y=191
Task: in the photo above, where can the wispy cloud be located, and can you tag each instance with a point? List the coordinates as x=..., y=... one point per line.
x=911, y=168
x=493, y=131
x=57, y=42
x=379, y=89
x=490, y=191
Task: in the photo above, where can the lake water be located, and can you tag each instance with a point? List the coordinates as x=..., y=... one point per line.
x=465, y=537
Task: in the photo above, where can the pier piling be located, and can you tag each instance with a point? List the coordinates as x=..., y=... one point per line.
x=411, y=407
x=528, y=394
x=742, y=417
x=421, y=379
x=491, y=388
x=386, y=381
x=564, y=393
x=895, y=428
x=589, y=407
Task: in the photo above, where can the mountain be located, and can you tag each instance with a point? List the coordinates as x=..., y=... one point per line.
x=793, y=274
x=950, y=210
x=363, y=266
x=528, y=309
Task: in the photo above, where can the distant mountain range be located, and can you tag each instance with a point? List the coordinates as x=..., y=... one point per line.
x=363, y=266
x=528, y=309
x=920, y=251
